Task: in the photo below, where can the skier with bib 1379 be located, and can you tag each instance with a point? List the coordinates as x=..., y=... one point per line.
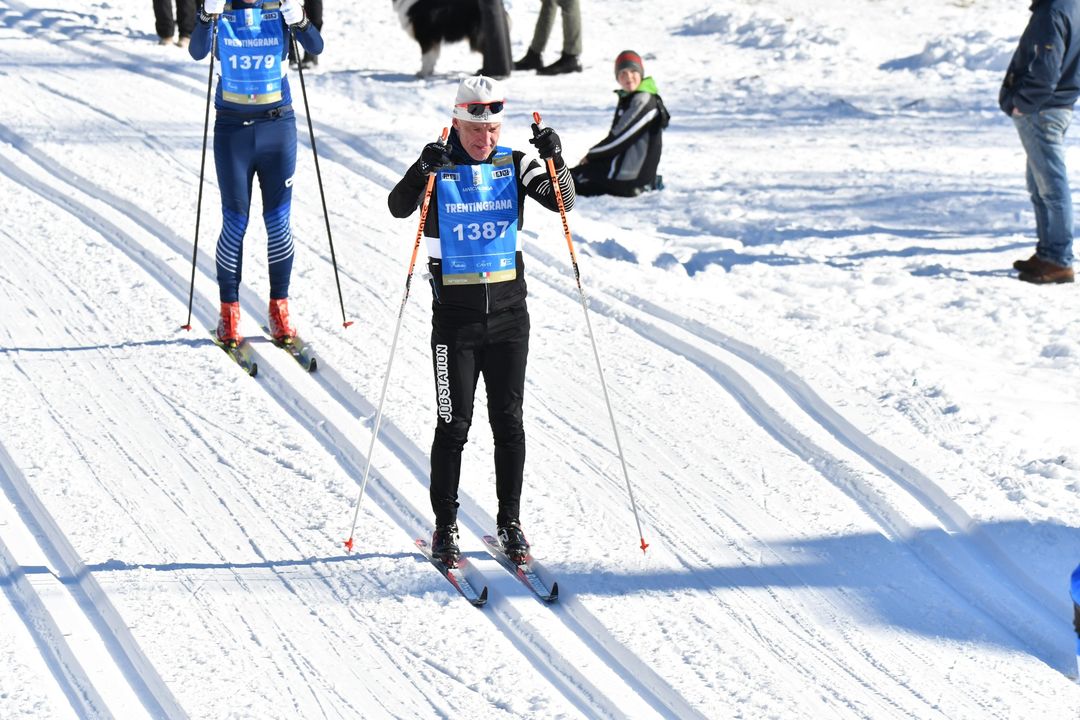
x=254, y=134
x=480, y=323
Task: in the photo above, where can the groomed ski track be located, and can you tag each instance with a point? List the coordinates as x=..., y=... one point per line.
x=595, y=670
x=331, y=421
x=617, y=686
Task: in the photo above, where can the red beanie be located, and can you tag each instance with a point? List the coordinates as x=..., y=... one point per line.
x=628, y=60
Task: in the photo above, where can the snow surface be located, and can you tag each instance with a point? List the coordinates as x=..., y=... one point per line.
x=850, y=431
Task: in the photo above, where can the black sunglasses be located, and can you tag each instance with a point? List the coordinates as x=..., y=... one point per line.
x=477, y=109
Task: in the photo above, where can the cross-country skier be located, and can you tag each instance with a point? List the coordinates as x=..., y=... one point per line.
x=480, y=323
x=254, y=134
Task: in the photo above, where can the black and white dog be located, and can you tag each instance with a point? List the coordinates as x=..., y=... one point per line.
x=433, y=22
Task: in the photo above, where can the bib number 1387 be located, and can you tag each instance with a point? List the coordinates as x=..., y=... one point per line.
x=476, y=231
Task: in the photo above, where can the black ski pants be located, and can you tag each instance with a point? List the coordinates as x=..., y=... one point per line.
x=464, y=346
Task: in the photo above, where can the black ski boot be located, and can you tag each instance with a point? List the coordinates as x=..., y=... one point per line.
x=565, y=64
x=513, y=541
x=444, y=544
x=531, y=61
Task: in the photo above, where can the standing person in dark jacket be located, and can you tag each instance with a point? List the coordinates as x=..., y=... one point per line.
x=624, y=163
x=480, y=323
x=1040, y=88
x=254, y=134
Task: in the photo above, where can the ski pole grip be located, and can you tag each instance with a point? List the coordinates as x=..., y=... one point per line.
x=445, y=134
x=539, y=123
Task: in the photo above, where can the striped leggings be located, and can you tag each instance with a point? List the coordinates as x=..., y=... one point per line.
x=243, y=149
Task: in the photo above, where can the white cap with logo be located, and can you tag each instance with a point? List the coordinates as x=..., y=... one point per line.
x=479, y=99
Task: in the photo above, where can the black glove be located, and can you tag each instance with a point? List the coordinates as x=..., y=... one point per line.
x=435, y=157
x=546, y=141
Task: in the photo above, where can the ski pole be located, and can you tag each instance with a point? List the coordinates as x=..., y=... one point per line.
x=202, y=168
x=584, y=306
x=393, y=344
x=318, y=175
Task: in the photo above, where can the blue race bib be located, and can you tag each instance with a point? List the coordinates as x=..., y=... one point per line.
x=250, y=47
x=478, y=221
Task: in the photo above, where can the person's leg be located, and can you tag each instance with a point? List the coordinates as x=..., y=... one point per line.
x=234, y=151
x=314, y=9
x=453, y=349
x=1043, y=137
x=164, y=23
x=185, y=17
x=1076, y=624
x=1037, y=205
x=495, y=40
x=544, y=22
x=571, y=27
x=505, y=355
x=593, y=179
x=276, y=164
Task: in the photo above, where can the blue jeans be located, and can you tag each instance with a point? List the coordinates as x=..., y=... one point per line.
x=1043, y=137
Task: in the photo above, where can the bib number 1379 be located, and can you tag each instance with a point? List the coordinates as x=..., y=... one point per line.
x=247, y=62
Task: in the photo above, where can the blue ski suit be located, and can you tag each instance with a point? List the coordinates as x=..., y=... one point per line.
x=254, y=132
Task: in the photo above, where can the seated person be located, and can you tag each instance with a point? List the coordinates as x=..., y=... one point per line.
x=624, y=163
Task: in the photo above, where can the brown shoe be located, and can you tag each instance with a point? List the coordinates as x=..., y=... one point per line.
x=1025, y=265
x=1041, y=272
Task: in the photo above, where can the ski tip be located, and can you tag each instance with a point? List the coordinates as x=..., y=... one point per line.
x=481, y=599
x=313, y=365
x=254, y=369
x=554, y=595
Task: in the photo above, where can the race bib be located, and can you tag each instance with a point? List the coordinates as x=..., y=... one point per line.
x=250, y=43
x=478, y=212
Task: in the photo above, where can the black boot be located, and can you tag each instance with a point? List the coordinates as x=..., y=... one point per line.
x=565, y=64
x=444, y=544
x=513, y=541
x=531, y=61
x=310, y=61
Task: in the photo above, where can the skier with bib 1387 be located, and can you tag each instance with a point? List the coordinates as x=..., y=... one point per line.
x=254, y=134
x=480, y=323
